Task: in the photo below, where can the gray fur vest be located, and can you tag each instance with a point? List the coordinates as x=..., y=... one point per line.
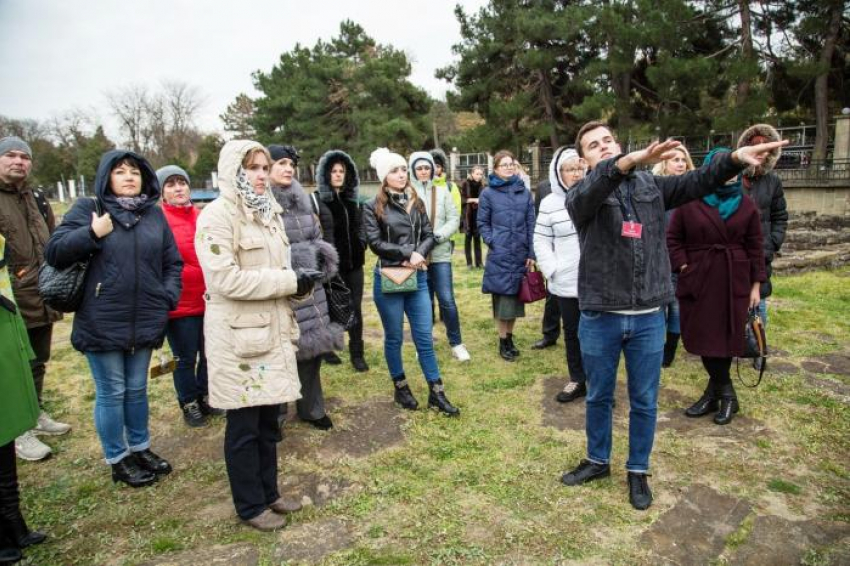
x=318, y=334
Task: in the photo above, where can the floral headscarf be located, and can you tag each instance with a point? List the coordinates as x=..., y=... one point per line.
x=261, y=204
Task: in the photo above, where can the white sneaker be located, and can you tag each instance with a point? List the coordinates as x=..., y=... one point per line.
x=461, y=353
x=49, y=427
x=28, y=447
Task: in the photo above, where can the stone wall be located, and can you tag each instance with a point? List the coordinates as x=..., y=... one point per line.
x=830, y=199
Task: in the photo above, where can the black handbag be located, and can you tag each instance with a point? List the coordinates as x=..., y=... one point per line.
x=755, y=344
x=62, y=289
x=340, y=306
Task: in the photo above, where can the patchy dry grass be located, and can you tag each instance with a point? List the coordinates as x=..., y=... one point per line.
x=481, y=489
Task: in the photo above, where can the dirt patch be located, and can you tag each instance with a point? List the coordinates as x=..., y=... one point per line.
x=774, y=540
x=780, y=368
x=311, y=542
x=833, y=388
x=694, y=530
x=189, y=445
x=837, y=363
x=571, y=416
x=742, y=428
x=225, y=555
x=359, y=430
x=312, y=489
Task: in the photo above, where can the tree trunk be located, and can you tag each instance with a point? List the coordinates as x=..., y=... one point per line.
x=822, y=81
x=743, y=90
x=622, y=83
x=548, y=100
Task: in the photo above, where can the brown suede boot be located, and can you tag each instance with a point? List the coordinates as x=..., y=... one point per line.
x=267, y=521
x=283, y=506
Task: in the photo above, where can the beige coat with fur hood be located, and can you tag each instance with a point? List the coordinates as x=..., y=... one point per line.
x=249, y=327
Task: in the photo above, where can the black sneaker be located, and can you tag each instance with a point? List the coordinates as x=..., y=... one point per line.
x=404, y=396
x=204, y=404
x=585, y=472
x=359, y=364
x=192, y=414
x=332, y=359
x=571, y=392
x=640, y=496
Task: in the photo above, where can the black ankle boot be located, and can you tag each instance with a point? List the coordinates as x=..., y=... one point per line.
x=437, y=399
x=505, y=350
x=670, y=347
x=728, y=405
x=708, y=403
x=10, y=555
x=14, y=527
x=513, y=348
x=149, y=461
x=403, y=395
x=129, y=472
x=20, y=534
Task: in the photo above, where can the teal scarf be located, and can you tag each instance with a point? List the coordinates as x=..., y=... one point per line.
x=725, y=198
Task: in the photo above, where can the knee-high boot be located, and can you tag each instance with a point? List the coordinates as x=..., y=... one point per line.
x=670, y=347
x=13, y=521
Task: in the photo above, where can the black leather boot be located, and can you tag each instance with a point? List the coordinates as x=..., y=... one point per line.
x=511, y=345
x=708, y=403
x=505, y=350
x=129, y=472
x=437, y=399
x=404, y=396
x=10, y=555
x=149, y=461
x=14, y=527
x=728, y=405
x=670, y=347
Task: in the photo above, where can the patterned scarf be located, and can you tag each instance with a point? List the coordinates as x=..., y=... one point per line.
x=261, y=204
x=132, y=203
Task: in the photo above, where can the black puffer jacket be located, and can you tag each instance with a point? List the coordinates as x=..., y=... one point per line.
x=765, y=188
x=395, y=237
x=344, y=207
x=133, y=278
x=309, y=251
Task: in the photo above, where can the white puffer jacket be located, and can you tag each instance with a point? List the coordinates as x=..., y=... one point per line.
x=556, y=245
x=249, y=327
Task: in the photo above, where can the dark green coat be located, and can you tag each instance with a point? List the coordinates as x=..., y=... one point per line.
x=18, y=402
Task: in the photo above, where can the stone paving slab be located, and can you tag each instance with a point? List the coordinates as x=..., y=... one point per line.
x=242, y=554
x=774, y=540
x=694, y=530
x=311, y=542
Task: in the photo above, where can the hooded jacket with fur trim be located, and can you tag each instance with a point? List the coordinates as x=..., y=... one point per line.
x=344, y=206
x=765, y=187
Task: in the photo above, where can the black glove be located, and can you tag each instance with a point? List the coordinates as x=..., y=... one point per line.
x=306, y=279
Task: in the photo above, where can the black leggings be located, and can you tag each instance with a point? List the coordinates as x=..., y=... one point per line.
x=472, y=243
x=718, y=370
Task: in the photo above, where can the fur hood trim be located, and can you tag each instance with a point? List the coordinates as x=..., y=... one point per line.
x=351, y=185
x=772, y=135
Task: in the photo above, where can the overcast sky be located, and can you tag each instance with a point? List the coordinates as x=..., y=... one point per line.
x=58, y=55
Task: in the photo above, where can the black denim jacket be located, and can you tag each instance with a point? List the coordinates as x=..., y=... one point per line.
x=619, y=273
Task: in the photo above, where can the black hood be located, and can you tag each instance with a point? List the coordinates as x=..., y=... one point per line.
x=351, y=185
x=150, y=184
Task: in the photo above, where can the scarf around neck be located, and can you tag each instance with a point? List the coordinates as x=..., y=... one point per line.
x=260, y=204
x=725, y=198
x=132, y=203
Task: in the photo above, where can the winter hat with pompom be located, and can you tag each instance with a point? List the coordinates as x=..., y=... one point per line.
x=384, y=161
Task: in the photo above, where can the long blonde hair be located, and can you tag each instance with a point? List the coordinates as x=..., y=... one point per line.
x=660, y=168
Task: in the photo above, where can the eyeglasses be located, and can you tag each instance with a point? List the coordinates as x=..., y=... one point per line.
x=574, y=170
x=507, y=165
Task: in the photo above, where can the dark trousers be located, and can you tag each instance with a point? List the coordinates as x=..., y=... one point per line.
x=570, y=316
x=186, y=338
x=470, y=243
x=40, y=338
x=311, y=405
x=354, y=281
x=10, y=499
x=250, y=453
x=718, y=371
x=551, y=318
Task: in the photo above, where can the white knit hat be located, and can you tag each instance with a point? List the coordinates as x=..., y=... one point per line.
x=384, y=161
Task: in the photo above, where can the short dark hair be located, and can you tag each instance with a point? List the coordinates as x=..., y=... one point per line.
x=129, y=161
x=590, y=126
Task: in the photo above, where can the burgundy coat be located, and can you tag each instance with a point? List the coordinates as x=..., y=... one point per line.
x=724, y=259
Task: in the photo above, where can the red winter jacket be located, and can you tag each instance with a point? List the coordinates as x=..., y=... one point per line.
x=182, y=220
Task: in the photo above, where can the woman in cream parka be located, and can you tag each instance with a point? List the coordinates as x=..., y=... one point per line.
x=249, y=327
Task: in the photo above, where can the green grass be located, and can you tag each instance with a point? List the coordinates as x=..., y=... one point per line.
x=481, y=489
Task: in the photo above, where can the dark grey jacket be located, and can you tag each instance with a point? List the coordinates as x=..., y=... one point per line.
x=766, y=190
x=618, y=273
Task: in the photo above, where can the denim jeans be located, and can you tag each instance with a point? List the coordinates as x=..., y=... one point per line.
x=417, y=305
x=440, y=282
x=763, y=311
x=186, y=338
x=121, y=401
x=603, y=336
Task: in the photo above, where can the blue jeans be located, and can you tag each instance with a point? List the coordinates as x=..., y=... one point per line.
x=121, y=401
x=440, y=282
x=417, y=305
x=763, y=311
x=186, y=338
x=603, y=336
